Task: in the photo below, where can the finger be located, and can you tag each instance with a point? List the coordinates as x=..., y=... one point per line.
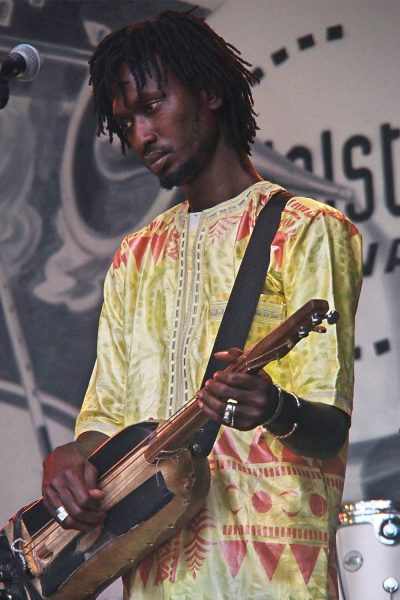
x=251, y=404
x=97, y=496
x=239, y=416
x=264, y=375
x=76, y=487
x=79, y=517
x=213, y=403
x=80, y=505
x=73, y=523
x=230, y=355
x=52, y=501
x=213, y=407
x=222, y=392
x=243, y=381
x=245, y=414
x=90, y=477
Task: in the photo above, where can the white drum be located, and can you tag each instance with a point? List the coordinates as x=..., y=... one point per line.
x=368, y=545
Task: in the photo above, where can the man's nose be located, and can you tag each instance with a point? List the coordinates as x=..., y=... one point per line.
x=142, y=134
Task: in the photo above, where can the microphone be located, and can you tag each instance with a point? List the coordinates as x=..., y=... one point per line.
x=23, y=62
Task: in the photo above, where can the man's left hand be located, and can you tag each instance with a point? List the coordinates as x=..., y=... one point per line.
x=255, y=395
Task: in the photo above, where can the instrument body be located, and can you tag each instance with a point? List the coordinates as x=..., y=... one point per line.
x=154, y=484
x=368, y=544
x=153, y=502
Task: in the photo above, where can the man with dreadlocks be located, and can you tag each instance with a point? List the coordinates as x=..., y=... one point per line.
x=179, y=96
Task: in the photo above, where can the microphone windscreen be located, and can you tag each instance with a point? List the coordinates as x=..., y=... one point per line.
x=32, y=60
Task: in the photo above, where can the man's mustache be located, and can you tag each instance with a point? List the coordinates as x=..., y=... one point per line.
x=152, y=148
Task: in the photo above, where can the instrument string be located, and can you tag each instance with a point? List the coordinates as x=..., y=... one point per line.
x=268, y=356
x=107, y=479
x=55, y=531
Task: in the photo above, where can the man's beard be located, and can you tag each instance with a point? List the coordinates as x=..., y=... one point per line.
x=189, y=170
x=185, y=174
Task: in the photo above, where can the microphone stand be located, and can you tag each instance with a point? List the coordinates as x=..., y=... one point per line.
x=4, y=94
x=11, y=68
x=24, y=365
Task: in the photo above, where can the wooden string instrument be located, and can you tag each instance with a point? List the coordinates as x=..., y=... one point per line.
x=153, y=486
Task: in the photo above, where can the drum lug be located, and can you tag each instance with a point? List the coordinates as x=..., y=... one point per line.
x=390, y=585
x=389, y=530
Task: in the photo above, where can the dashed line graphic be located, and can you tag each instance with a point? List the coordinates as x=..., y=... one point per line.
x=333, y=33
x=305, y=42
x=279, y=56
x=258, y=74
x=380, y=347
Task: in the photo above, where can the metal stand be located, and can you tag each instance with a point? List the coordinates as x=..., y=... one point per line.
x=24, y=365
x=4, y=95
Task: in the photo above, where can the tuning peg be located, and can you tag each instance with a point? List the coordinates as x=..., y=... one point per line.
x=303, y=331
x=332, y=317
x=317, y=318
x=319, y=329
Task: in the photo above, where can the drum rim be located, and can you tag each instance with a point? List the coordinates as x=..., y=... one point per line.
x=366, y=507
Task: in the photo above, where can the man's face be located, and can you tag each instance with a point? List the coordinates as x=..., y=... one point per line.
x=173, y=132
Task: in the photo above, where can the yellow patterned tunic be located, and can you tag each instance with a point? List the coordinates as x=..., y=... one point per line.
x=267, y=529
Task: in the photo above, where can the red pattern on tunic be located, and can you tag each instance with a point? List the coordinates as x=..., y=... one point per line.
x=277, y=246
x=291, y=457
x=138, y=247
x=198, y=546
x=261, y=501
x=119, y=258
x=303, y=210
x=244, y=227
x=269, y=555
x=225, y=446
x=144, y=568
x=168, y=556
x=163, y=240
x=333, y=466
x=234, y=552
x=287, y=497
x=220, y=227
x=248, y=218
x=318, y=505
x=260, y=452
x=306, y=557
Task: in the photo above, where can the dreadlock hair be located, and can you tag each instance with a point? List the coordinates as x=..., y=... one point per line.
x=200, y=58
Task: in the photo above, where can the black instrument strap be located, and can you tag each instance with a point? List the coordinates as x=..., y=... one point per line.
x=241, y=307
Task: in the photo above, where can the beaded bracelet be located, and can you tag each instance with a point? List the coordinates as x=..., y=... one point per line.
x=279, y=408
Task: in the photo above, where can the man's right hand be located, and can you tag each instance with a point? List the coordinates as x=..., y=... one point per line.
x=70, y=481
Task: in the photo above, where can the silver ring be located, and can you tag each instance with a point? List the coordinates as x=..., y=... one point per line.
x=61, y=514
x=229, y=414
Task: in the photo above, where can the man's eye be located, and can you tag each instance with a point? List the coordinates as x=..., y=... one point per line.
x=124, y=125
x=152, y=106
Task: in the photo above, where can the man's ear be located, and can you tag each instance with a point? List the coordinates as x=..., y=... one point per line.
x=213, y=99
